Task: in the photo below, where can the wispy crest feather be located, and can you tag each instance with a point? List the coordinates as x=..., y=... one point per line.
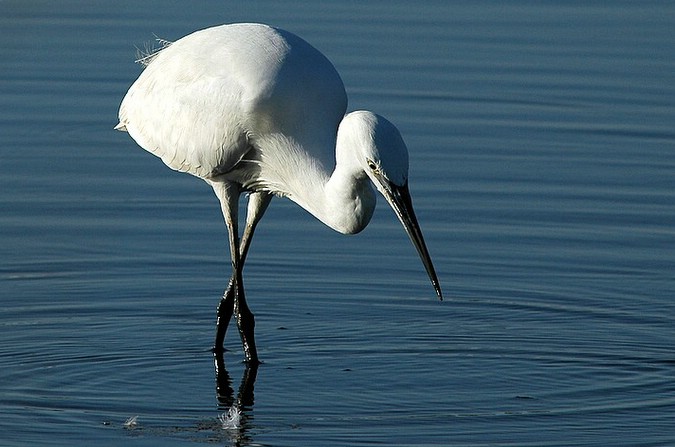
x=148, y=54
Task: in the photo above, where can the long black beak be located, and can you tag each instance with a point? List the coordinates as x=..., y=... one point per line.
x=400, y=201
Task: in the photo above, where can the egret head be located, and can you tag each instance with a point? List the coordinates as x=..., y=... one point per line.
x=383, y=156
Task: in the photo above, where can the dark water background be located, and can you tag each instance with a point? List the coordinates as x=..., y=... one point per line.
x=542, y=145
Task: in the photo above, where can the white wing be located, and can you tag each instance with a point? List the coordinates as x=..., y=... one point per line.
x=202, y=101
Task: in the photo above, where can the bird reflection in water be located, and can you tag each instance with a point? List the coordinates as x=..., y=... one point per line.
x=237, y=416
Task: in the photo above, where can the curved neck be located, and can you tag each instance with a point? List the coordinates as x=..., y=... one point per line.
x=348, y=201
x=344, y=199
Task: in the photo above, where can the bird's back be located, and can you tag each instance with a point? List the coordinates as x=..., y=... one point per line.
x=203, y=101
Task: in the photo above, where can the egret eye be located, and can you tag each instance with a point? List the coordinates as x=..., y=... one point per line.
x=372, y=165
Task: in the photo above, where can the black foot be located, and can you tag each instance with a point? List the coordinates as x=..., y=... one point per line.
x=234, y=303
x=223, y=316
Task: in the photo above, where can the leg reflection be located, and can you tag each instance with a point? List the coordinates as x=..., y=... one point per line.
x=224, y=391
x=237, y=417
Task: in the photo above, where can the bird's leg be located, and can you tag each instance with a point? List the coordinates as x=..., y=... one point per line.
x=224, y=313
x=245, y=320
x=234, y=299
x=257, y=205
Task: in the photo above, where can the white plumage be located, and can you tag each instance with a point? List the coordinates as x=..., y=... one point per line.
x=251, y=108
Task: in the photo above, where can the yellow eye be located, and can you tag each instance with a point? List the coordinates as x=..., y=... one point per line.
x=372, y=165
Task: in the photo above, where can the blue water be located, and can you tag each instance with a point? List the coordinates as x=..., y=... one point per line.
x=542, y=152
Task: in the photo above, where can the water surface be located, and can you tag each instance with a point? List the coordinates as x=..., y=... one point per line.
x=542, y=157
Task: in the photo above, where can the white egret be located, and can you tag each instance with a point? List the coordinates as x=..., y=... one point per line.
x=254, y=109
